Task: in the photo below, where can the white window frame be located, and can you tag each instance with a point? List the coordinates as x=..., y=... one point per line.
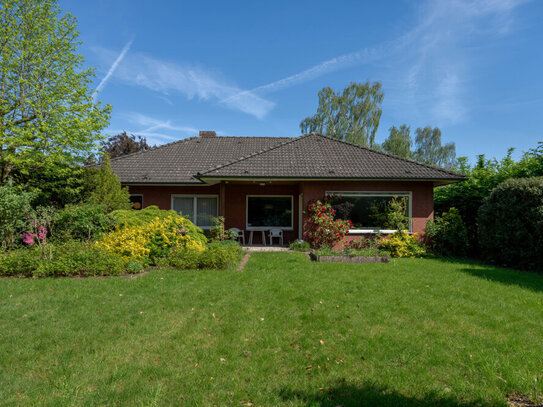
x=141, y=199
x=195, y=198
x=247, y=227
x=390, y=194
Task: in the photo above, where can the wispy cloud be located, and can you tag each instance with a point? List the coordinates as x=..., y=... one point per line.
x=427, y=62
x=112, y=69
x=189, y=80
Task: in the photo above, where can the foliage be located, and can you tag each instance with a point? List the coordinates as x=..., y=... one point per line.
x=69, y=259
x=402, y=244
x=486, y=174
x=107, y=189
x=352, y=115
x=399, y=142
x=151, y=241
x=217, y=231
x=365, y=246
x=511, y=224
x=84, y=221
x=54, y=181
x=15, y=209
x=447, y=234
x=325, y=230
x=186, y=257
x=429, y=150
x=141, y=217
x=221, y=255
x=123, y=144
x=22, y=262
x=396, y=218
x=134, y=267
x=300, y=246
x=351, y=252
x=47, y=109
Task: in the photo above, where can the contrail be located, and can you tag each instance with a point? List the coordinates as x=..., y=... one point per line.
x=112, y=69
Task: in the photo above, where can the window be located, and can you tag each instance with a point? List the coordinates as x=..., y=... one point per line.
x=269, y=211
x=368, y=210
x=199, y=209
x=137, y=201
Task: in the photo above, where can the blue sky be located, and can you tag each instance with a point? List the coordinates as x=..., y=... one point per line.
x=254, y=68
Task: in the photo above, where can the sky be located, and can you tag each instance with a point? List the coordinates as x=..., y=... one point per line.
x=254, y=68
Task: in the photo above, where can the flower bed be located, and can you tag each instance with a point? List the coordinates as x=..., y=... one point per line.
x=349, y=259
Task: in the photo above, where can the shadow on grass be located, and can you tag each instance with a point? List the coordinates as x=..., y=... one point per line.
x=531, y=280
x=347, y=395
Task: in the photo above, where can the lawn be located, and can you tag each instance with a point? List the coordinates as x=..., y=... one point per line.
x=284, y=331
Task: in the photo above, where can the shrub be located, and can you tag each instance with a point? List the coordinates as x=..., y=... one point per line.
x=511, y=224
x=221, y=255
x=105, y=188
x=19, y=262
x=300, y=246
x=401, y=244
x=325, y=230
x=154, y=240
x=134, y=267
x=84, y=221
x=447, y=234
x=186, y=257
x=15, y=210
x=70, y=259
x=217, y=231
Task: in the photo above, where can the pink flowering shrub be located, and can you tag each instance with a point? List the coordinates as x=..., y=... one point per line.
x=326, y=231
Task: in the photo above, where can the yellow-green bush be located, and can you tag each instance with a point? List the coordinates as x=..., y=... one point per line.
x=150, y=241
x=402, y=244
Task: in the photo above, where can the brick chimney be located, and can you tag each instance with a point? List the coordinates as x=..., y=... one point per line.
x=207, y=133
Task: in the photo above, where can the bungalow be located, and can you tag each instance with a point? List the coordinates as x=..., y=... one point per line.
x=263, y=183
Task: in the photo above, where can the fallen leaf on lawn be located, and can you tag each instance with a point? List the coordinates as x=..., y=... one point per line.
x=141, y=312
x=213, y=315
x=196, y=364
x=262, y=319
x=308, y=367
x=120, y=295
x=223, y=360
x=322, y=342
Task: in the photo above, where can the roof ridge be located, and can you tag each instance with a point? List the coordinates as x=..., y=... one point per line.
x=243, y=158
x=391, y=155
x=154, y=148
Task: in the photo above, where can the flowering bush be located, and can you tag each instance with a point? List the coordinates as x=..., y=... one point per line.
x=326, y=231
x=401, y=244
x=153, y=240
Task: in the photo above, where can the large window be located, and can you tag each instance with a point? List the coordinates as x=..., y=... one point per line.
x=269, y=212
x=368, y=210
x=199, y=209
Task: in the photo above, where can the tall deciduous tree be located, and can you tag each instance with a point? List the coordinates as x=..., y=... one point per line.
x=123, y=144
x=399, y=142
x=46, y=100
x=352, y=115
x=429, y=150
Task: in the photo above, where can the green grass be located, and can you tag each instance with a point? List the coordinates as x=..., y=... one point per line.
x=284, y=331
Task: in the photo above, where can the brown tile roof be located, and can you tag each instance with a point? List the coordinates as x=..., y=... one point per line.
x=312, y=156
x=179, y=161
x=317, y=156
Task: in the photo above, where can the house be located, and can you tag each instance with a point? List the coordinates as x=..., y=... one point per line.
x=259, y=183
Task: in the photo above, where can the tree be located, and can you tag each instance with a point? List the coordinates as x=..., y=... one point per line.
x=46, y=101
x=352, y=115
x=398, y=142
x=105, y=188
x=123, y=144
x=428, y=148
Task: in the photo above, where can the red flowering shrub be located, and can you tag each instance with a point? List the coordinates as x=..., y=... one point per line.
x=326, y=231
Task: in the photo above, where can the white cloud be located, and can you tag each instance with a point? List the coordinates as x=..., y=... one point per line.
x=191, y=81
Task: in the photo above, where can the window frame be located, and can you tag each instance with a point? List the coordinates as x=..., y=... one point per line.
x=141, y=201
x=247, y=227
x=195, y=205
x=391, y=194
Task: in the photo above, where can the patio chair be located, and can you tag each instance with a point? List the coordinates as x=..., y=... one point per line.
x=240, y=234
x=278, y=233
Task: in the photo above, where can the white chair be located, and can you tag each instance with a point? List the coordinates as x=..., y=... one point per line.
x=278, y=233
x=240, y=234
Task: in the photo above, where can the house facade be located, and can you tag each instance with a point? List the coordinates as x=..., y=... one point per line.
x=264, y=183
